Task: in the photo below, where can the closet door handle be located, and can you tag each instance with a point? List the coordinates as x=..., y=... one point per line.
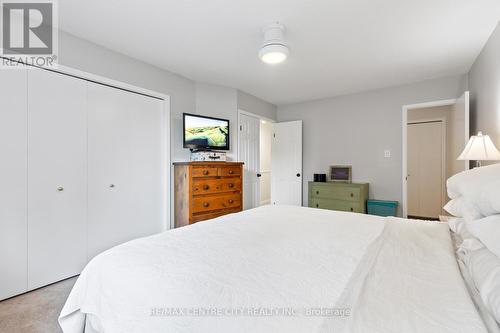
x=112, y=185
x=60, y=189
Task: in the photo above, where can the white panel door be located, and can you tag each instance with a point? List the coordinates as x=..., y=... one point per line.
x=286, y=163
x=57, y=177
x=125, y=187
x=14, y=182
x=426, y=171
x=248, y=153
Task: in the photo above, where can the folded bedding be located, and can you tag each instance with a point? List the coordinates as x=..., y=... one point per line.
x=278, y=269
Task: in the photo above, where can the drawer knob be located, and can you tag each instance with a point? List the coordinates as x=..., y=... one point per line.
x=230, y=185
x=231, y=201
x=352, y=195
x=206, y=187
x=231, y=172
x=206, y=204
x=317, y=192
x=205, y=172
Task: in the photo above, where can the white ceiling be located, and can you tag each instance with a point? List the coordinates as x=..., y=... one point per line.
x=337, y=46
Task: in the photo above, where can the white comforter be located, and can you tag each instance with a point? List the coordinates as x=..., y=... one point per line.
x=264, y=270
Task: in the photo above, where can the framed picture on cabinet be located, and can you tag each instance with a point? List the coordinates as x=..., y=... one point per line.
x=340, y=173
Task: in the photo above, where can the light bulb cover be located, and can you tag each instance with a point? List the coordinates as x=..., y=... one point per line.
x=273, y=53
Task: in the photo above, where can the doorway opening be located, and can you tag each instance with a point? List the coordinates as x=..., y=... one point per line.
x=434, y=134
x=254, y=149
x=272, y=157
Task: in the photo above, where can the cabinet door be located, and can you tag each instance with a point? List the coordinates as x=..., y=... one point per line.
x=57, y=177
x=13, y=180
x=126, y=198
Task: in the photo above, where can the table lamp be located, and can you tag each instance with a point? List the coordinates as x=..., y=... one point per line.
x=480, y=148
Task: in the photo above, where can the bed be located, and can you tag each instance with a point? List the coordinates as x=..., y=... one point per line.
x=278, y=269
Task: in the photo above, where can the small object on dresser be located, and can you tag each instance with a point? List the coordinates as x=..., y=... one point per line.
x=320, y=177
x=341, y=173
x=208, y=156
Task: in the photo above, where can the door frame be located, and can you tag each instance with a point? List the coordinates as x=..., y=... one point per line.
x=261, y=118
x=404, y=128
x=444, y=149
x=168, y=191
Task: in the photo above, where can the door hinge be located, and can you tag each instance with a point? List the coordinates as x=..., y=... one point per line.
x=241, y=128
x=274, y=135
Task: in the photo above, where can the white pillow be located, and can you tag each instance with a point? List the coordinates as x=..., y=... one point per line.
x=484, y=268
x=459, y=207
x=479, y=187
x=487, y=230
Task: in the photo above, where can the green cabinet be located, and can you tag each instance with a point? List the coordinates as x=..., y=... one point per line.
x=348, y=197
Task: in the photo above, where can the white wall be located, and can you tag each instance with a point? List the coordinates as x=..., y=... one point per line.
x=221, y=102
x=356, y=129
x=484, y=85
x=255, y=105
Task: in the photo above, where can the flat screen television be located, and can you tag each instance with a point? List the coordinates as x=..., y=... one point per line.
x=205, y=133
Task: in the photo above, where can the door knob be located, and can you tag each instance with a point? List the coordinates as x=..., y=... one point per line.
x=111, y=185
x=298, y=175
x=60, y=188
x=259, y=175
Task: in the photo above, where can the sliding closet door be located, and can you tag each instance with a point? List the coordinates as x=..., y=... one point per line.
x=125, y=167
x=13, y=182
x=57, y=177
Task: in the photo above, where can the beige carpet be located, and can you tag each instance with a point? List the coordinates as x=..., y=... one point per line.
x=36, y=311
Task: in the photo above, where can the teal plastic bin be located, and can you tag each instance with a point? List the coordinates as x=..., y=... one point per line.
x=382, y=207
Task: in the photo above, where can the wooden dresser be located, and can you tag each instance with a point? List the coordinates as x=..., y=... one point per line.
x=205, y=190
x=349, y=197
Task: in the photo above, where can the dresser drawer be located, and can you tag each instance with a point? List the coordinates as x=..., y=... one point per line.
x=230, y=171
x=207, y=186
x=205, y=171
x=213, y=215
x=210, y=203
x=346, y=206
x=344, y=193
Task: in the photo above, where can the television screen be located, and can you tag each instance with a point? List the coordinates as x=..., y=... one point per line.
x=205, y=132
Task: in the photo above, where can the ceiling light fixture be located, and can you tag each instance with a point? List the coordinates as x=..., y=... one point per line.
x=274, y=49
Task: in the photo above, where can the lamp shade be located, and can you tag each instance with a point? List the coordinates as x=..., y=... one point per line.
x=480, y=148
